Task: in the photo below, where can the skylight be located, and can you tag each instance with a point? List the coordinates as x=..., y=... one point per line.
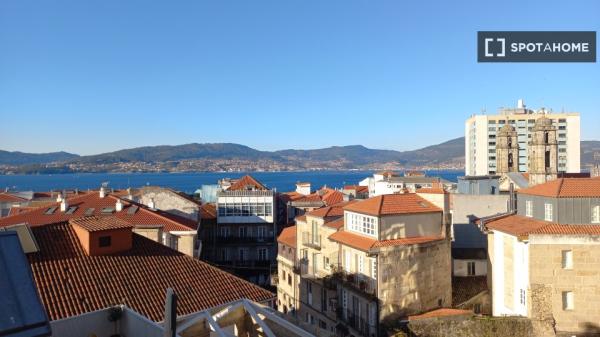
x=51, y=210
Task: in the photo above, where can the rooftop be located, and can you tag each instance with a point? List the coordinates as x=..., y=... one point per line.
x=566, y=188
x=71, y=283
x=519, y=225
x=391, y=204
x=288, y=236
x=91, y=204
x=97, y=224
x=365, y=243
x=245, y=183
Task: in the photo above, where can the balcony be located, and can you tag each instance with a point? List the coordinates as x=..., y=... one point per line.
x=359, y=282
x=259, y=264
x=311, y=240
x=355, y=322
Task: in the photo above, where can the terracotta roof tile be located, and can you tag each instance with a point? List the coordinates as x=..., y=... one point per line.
x=519, y=225
x=288, y=236
x=336, y=224
x=246, y=182
x=18, y=210
x=365, y=243
x=443, y=312
x=390, y=204
x=208, y=212
x=91, y=204
x=7, y=197
x=358, y=188
x=96, y=224
x=464, y=288
x=71, y=283
x=331, y=196
x=566, y=188
x=432, y=190
x=335, y=210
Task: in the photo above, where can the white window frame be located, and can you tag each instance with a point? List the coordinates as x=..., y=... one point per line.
x=374, y=268
x=568, y=300
x=469, y=264
x=361, y=264
x=567, y=259
x=548, y=212
x=528, y=208
x=596, y=214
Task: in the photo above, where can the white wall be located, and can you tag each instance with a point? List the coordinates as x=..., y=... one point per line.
x=573, y=144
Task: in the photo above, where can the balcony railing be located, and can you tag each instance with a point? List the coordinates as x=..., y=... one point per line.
x=311, y=240
x=355, y=322
x=357, y=281
x=262, y=264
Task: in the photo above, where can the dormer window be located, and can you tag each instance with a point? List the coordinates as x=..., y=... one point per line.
x=104, y=241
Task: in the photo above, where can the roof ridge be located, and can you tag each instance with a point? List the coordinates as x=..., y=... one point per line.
x=157, y=213
x=560, y=185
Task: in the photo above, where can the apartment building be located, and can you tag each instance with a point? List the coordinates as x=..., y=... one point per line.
x=481, y=140
x=304, y=200
x=245, y=235
x=288, y=277
x=366, y=263
x=545, y=258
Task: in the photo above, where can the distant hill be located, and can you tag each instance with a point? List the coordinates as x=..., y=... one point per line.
x=21, y=158
x=449, y=154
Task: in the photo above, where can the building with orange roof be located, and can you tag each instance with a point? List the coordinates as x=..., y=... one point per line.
x=169, y=229
x=376, y=257
x=544, y=256
x=84, y=264
x=246, y=230
x=302, y=200
x=288, y=277
x=10, y=200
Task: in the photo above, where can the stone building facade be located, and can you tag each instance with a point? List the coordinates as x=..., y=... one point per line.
x=545, y=258
x=364, y=264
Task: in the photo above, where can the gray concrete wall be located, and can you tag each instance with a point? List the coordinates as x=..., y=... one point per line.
x=465, y=208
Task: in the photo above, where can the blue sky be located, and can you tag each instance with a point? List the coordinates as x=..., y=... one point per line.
x=96, y=76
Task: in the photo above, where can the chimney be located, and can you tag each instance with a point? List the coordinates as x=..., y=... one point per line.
x=151, y=203
x=64, y=205
x=129, y=195
x=102, y=192
x=119, y=206
x=59, y=198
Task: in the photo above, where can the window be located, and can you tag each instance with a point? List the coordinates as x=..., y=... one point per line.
x=596, y=214
x=104, y=241
x=224, y=232
x=522, y=296
x=362, y=224
x=548, y=212
x=568, y=300
x=309, y=293
x=567, y=259
x=322, y=324
x=374, y=268
x=326, y=262
x=324, y=299
x=471, y=268
x=242, y=232
x=289, y=279
x=263, y=254
x=261, y=232
x=361, y=263
x=242, y=254
x=528, y=208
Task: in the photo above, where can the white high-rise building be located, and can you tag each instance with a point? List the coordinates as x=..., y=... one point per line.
x=481, y=131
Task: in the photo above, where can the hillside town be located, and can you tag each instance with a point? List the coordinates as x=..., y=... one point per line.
x=510, y=248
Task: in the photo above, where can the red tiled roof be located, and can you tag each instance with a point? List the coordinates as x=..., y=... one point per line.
x=208, y=212
x=18, y=210
x=443, y=312
x=71, y=283
x=142, y=216
x=7, y=197
x=331, y=197
x=336, y=224
x=245, y=182
x=365, y=243
x=519, y=225
x=566, y=188
x=390, y=204
x=335, y=210
x=353, y=240
x=431, y=190
x=288, y=236
x=96, y=224
x=387, y=173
